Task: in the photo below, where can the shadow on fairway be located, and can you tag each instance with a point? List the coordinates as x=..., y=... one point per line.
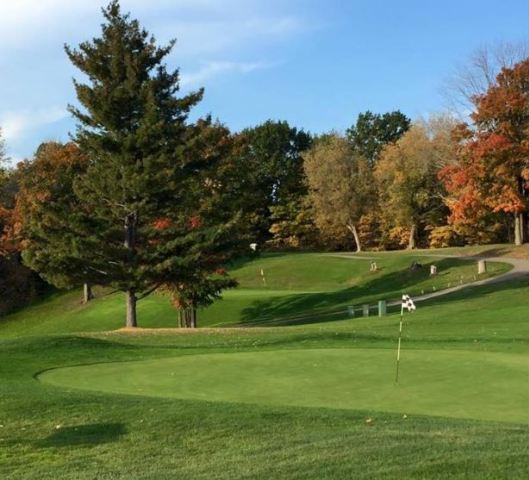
x=303, y=309
x=87, y=435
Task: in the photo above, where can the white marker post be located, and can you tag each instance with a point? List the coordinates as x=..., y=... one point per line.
x=263, y=277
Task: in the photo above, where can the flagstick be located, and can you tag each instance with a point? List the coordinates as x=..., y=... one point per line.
x=398, y=347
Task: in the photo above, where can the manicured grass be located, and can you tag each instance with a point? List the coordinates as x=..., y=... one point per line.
x=297, y=285
x=461, y=384
x=307, y=401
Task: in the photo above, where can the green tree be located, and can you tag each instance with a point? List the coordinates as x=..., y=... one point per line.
x=149, y=178
x=271, y=170
x=340, y=187
x=372, y=131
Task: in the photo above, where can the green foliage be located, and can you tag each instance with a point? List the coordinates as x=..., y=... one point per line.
x=50, y=216
x=150, y=195
x=372, y=131
x=271, y=169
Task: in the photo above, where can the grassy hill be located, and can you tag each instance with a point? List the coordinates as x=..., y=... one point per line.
x=311, y=399
x=306, y=285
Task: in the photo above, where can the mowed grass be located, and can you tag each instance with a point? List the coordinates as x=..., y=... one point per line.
x=450, y=383
x=297, y=288
x=311, y=400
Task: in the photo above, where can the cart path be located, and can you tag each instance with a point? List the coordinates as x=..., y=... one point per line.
x=520, y=270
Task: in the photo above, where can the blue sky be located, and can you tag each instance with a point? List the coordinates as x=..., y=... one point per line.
x=315, y=63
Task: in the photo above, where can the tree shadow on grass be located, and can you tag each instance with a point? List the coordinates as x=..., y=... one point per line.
x=498, y=252
x=301, y=309
x=83, y=435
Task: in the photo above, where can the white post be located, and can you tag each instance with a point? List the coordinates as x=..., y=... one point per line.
x=482, y=267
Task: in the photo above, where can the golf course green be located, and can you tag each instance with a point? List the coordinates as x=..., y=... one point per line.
x=286, y=384
x=485, y=386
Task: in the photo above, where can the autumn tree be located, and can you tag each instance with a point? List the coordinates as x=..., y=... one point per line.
x=372, y=131
x=293, y=226
x=5, y=197
x=339, y=181
x=49, y=217
x=492, y=172
x=18, y=284
x=406, y=175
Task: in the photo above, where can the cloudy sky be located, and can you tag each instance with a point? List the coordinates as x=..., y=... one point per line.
x=315, y=63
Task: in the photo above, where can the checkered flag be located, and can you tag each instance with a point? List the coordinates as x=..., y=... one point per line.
x=407, y=302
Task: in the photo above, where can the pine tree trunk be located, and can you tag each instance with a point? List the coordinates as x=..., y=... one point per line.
x=411, y=241
x=518, y=228
x=130, y=243
x=131, y=308
x=353, y=230
x=87, y=293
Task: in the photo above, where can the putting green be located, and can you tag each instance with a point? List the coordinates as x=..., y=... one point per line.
x=462, y=384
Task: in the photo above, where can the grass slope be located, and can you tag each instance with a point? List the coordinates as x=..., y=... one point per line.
x=61, y=431
x=297, y=285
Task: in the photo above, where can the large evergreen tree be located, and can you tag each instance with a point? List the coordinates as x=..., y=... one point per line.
x=148, y=172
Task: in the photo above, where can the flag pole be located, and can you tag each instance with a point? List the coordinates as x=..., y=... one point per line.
x=398, y=346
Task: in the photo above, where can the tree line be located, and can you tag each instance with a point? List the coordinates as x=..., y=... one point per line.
x=142, y=199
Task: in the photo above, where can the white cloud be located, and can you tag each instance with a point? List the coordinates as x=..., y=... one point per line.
x=36, y=71
x=17, y=123
x=214, y=68
x=199, y=25
x=223, y=35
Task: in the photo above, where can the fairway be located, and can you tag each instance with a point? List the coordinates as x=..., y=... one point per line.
x=459, y=384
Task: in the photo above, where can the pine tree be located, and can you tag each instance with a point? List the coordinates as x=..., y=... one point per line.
x=149, y=176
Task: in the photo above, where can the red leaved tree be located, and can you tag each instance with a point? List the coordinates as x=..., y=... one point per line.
x=492, y=172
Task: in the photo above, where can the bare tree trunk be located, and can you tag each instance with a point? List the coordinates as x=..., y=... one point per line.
x=526, y=224
x=411, y=241
x=87, y=293
x=518, y=229
x=352, y=229
x=131, y=308
x=193, y=317
x=130, y=243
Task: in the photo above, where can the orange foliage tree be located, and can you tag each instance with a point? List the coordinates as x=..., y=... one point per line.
x=492, y=171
